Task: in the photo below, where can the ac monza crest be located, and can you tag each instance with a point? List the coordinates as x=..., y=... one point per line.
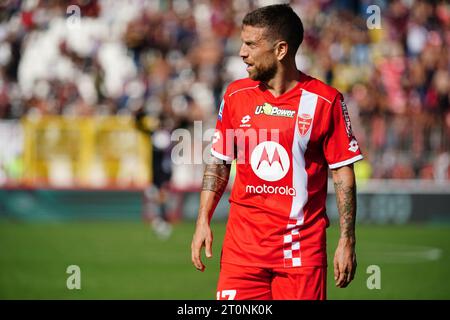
x=304, y=123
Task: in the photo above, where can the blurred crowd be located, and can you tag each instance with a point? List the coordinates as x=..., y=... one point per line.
x=174, y=58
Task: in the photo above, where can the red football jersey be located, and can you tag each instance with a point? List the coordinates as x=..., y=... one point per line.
x=283, y=147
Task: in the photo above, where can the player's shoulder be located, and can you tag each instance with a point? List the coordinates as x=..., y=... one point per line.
x=240, y=85
x=320, y=88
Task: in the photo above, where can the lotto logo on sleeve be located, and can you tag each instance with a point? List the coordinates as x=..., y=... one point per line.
x=216, y=137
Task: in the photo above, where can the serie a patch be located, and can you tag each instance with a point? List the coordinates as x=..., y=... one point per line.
x=222, y=104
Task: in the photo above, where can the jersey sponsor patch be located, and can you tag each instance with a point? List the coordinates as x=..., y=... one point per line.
x=270, y=161
x=348, y=125
x=270, y=110
x=267, y=189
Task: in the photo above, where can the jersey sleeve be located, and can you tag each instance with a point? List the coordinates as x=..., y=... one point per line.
x=223, y=139
x=340, y=145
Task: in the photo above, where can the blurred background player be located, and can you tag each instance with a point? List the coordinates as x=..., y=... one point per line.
x=155, y=196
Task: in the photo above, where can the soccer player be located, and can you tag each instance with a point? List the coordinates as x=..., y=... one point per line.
x=285, y=129
x=155, y=195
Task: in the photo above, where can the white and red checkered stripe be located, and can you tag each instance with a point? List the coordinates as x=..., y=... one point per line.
x=291, y=241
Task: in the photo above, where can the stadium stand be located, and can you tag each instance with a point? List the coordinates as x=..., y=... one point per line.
x=176, y=57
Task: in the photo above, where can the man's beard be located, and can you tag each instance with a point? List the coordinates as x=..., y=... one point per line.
x=265, y=74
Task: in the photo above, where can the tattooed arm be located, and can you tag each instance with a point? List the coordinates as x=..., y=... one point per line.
x=215, y=180
x=345, y=256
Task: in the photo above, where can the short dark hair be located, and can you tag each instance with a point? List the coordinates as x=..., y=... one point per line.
x=280, y=21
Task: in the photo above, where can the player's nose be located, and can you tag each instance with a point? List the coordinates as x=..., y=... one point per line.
x=243, y=53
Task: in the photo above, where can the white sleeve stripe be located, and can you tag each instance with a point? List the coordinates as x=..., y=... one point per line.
x=221, y=156
x=346, y=162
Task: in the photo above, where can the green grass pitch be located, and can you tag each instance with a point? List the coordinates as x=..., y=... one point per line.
x=126, y=261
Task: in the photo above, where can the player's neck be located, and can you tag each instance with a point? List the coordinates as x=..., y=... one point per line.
x=284, y=80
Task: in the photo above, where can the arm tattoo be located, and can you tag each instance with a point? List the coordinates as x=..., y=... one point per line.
x=346, y=202
x=216, y=177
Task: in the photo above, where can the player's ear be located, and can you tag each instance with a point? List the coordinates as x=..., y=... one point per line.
x=281, y=50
